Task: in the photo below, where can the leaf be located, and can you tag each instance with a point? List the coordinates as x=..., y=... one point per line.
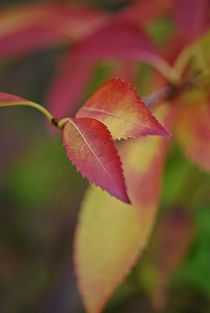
x=200, y=51
x=89, y=146
x=7, y=99
x=117, y=105
x=144, y=11
x=172, y=243
x=192, y=131
x=117, y=40
x=106, y=247
x=68, y=88
x=110, y=235
x=192, y=24
x=24, y=29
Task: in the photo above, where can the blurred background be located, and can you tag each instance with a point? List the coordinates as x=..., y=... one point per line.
x=41, y=193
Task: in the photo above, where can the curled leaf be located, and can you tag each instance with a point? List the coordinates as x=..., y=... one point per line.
x=89, y=146
x=117, y=105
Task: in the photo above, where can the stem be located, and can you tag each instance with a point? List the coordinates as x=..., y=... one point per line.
x=34, y=105
x=164, y=68
x=183, y=60
x=163, y=94
x=62, y=122
x=169, y=91
x=168, y=72
x=40, y=108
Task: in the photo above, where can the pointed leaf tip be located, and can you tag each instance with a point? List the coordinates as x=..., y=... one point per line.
x=7, y=99
x=89, y=146
x=117, y=105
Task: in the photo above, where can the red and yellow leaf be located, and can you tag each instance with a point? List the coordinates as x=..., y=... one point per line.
x=89, y=146
x=110, y=235
x=193, y=132
x=117, y=105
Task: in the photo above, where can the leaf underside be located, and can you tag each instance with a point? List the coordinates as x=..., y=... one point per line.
x=89, y=146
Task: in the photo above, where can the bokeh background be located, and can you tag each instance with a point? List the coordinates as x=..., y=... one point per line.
x=41, y=193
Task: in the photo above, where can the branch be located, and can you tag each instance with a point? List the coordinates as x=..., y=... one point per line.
x=171, y=91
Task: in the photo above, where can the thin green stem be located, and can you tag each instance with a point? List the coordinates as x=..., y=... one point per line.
x=34, y=105
x=62, y=122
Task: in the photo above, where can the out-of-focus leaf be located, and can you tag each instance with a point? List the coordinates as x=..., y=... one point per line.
x=89, y=146
x=118, y=106
x=111, y=235
x=195, y=270
x=126, y=71
x=193, y=132
x=172, y=243
x=68, y=88
x=117, y=40
x=200, y=51
x=191, y=16
x=27, y=28
x=143, y=12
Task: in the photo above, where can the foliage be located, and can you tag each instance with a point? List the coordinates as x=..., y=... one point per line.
x=126, y=144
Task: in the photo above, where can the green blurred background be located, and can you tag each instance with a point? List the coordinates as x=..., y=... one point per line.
x=41, y=193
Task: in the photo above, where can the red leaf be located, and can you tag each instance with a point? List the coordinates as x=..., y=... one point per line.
x=143, y=161
x=28, y=28
x=172, y=243
x=89, y=146
x=117, y=105
x=68, y=88
x=9, y=99
x=191, y=16
x=144, y=11
x=121, y=40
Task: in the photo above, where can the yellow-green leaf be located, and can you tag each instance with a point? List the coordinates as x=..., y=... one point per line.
x=111, y=235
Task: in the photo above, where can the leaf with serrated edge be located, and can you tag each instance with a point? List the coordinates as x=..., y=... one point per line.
x=117, y=105
x=89, y=146
x=110, y=235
